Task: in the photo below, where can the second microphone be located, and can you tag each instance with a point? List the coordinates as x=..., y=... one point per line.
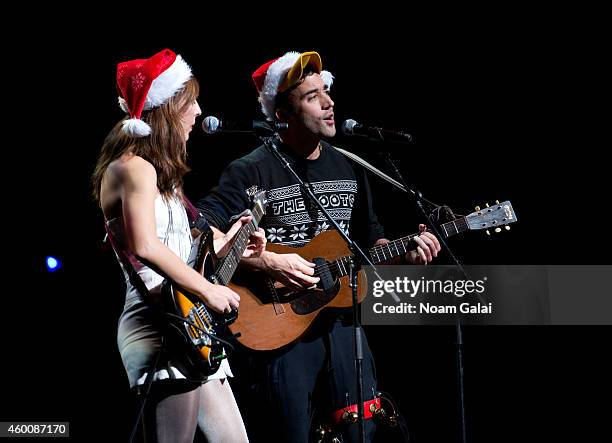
x=213, y=125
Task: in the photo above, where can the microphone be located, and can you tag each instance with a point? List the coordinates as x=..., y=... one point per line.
x=213, y=125
x=350, y=127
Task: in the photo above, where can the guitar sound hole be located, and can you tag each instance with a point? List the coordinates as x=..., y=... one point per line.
x=313, y=299
x=324, y=270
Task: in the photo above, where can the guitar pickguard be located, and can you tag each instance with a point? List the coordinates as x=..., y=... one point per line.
x=313, y=299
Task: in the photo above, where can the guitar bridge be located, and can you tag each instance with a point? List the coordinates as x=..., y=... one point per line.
x=201, y=318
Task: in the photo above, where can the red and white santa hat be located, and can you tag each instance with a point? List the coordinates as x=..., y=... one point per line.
x=280, y=74
x=148, y=83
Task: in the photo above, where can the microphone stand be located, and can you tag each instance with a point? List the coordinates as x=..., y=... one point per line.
x=356, y=262
x=418, y=197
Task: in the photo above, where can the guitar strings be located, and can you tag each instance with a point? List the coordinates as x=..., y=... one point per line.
x=378, y=250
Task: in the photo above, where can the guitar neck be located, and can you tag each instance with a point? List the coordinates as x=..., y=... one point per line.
x=454, y=227
x=395, y=248
x=501, y=214
x=230, y=262
x=401, y=246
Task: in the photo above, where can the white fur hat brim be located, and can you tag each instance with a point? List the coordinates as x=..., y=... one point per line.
x=165, y=86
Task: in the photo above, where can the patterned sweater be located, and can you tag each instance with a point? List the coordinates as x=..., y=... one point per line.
x=290, y=218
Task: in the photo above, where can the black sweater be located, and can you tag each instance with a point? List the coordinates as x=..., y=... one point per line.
x=290, y=219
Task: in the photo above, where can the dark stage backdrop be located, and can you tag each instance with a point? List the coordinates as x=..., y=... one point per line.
x=499, y=109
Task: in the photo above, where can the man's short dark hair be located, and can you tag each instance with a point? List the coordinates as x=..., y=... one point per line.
x=282, y=98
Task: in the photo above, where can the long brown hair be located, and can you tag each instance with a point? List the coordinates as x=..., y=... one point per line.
x=165, y=148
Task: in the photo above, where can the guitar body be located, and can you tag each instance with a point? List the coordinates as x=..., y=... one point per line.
x=208, y=351
x=272, y=315
x=191, y=308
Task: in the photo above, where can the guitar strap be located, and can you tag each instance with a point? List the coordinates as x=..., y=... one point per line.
x=440, y=212
x=197, y=221
x=133, y=276
x=369, y=167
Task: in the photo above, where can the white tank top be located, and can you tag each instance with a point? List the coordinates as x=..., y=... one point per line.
x=172, y=227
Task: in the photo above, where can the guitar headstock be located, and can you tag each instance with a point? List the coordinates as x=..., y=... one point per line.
x=496, y=216
x=259, y=199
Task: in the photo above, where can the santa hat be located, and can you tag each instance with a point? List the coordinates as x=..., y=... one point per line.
x=280, y=74
x=148, y=83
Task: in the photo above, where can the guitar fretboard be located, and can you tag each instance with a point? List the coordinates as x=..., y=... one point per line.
x=232, y=259
x=454, y=227
x=380, y=253
x=395, y=248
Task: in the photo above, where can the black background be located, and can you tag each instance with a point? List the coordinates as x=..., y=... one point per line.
x=504, y=104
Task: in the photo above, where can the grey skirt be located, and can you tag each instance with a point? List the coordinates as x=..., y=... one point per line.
x=144, y=337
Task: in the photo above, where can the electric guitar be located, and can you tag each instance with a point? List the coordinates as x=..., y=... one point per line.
x=218, y=271
x=272, y=315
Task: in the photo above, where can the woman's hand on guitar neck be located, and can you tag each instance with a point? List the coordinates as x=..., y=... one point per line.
x=223, y=242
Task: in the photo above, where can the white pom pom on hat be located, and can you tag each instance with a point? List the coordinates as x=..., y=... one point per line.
x=136, y=127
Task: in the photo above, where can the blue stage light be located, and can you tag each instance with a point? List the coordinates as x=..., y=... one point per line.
x=53, y=264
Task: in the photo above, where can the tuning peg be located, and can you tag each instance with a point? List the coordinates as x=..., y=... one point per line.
x=488, y=233
x=507, y=228
x=497, y=202
x=497, y=230
x=477, y=208
x=487, y=205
